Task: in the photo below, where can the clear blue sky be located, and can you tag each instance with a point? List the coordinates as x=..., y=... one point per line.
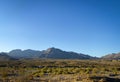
x=84, y=26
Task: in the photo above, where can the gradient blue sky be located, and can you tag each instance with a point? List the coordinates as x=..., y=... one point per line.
x=84, y=26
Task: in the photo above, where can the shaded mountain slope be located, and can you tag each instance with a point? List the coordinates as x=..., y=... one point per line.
x=18, y=53
x=5, y=57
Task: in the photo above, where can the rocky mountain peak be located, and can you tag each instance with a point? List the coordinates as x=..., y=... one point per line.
x=52, y=49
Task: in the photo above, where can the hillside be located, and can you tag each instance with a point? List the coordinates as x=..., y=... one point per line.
x=112, y=56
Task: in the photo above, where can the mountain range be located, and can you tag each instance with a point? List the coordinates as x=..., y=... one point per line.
x=50, y=53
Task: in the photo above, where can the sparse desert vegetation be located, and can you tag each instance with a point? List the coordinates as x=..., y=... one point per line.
x=49, y=70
